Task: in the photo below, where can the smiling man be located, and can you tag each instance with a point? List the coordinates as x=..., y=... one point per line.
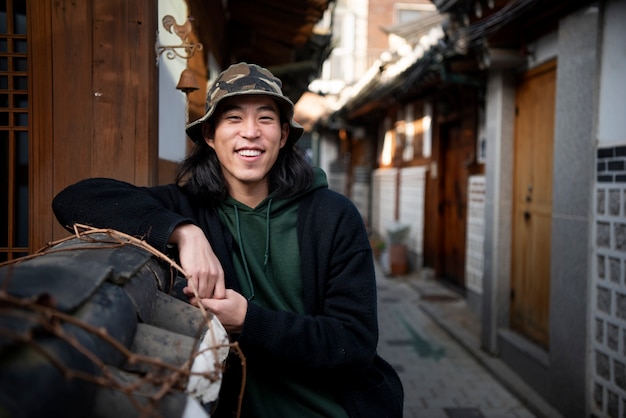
x=247, y=138
x=282, y=261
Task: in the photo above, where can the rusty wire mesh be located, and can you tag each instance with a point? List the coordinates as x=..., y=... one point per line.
x=163, y=378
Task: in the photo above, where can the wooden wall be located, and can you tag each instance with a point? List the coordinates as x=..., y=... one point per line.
x=94, y=101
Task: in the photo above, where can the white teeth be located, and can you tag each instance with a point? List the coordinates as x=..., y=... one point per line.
x=249, y=153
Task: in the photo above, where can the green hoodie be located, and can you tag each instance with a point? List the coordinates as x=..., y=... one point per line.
x=267, y=257
x=267, y=261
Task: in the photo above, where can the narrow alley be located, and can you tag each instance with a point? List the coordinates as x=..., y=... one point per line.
x=441, y=378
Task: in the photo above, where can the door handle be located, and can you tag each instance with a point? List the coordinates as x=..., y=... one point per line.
x=526, y=215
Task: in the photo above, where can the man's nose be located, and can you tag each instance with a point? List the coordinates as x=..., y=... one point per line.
x=250, y=128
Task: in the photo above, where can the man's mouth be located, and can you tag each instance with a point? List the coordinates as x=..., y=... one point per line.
x=249, y=152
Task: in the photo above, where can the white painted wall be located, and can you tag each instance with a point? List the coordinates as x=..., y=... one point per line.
x=383, y=199
x=411, y=208
x=612, y=102
x=543, y=50
x=172, y=102
x=328, y=150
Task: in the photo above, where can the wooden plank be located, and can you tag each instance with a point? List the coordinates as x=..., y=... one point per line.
x=115, y=92
x=124, y=79
x=72, y=108
x=40, y=124
x=143, y=28
x=51, y=164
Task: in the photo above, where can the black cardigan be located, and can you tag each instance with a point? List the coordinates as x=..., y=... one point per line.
x=337, y=337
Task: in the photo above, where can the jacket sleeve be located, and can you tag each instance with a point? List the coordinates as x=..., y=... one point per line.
x=340, y=328
x=149, y=213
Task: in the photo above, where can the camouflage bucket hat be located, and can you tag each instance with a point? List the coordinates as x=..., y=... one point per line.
x=245, y=79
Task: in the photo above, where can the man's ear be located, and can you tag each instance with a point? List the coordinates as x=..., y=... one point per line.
x=284, y=134
x=208, y=133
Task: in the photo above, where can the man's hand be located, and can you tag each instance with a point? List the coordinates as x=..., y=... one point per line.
x=231, y=310
x=203, y=269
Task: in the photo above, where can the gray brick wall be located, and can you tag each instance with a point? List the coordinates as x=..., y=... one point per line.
x=612, y=165
x=608, y=367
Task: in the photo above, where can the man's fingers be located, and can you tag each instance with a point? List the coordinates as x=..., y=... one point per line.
x=219, y=292
x=192, y=285
x=202, y=287
x=211, y=286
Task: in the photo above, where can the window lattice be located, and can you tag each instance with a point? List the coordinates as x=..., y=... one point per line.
x=13, y=129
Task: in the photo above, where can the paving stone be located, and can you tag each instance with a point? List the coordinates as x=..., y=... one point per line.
x=441, y=379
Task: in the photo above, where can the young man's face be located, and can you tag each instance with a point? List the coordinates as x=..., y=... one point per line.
x=247, y=138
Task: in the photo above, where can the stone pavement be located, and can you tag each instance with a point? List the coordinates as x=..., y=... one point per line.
x=441, y=377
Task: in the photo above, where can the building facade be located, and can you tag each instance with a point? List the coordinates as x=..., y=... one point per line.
x=519, y=181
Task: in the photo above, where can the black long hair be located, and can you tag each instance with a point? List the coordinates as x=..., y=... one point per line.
x=200, y=173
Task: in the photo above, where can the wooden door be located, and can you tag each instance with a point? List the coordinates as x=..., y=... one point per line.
x=458, y=153
x=532, y=203
x=92, y=67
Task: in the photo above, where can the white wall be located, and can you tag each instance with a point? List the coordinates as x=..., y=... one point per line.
x=328, y=150
x=383, y=199
x=172, y=102
x=543, y=50
x=411, y=208
x=612, y=106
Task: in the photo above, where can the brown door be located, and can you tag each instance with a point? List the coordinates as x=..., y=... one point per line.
x=532, y=203
x=458, y=153
x=94, y=111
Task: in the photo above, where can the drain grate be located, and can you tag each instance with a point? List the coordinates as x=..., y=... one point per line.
x=438, y=297
x=399, y=343
x=463, y=413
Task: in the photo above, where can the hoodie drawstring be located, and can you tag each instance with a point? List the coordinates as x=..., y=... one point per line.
x=267, y=234
x=243, y=253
